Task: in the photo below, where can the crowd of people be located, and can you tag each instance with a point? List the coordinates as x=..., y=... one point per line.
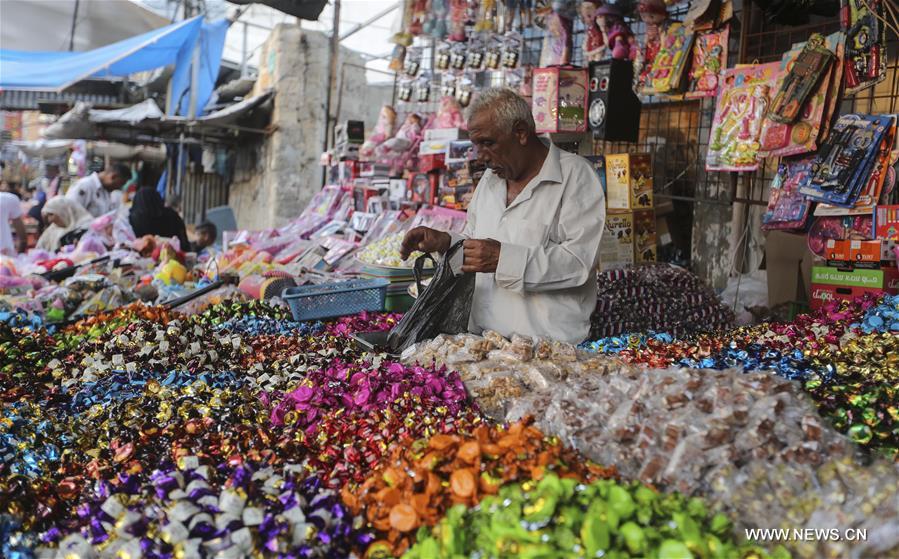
x=64, y=215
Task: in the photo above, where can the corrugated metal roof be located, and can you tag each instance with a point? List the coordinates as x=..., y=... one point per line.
x=29, y=100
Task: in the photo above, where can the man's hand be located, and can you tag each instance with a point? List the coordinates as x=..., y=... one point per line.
x=424, y=239
x=480, y=255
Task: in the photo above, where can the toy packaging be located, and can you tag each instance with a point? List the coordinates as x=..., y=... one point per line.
x=844, y=164
x=787, y=207
x=801, y=80
x=669, y=64
x=865, y=43
x=559, y=100
x=628, y=181
x=886, y=222
x=709, y=59
x=739, y=112
x=616, y=248
x=644, y=236
x=781, y=139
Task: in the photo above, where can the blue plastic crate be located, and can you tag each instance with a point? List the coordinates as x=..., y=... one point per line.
x=314, y=302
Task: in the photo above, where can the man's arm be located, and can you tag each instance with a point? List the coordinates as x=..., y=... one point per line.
x=21, y=236
x=566, y=264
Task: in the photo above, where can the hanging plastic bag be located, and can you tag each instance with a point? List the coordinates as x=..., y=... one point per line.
x=441, y=308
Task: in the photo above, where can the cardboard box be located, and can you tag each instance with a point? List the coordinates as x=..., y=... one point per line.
x=428, y=163
x=645, y=249
x=559, y=99
x=444, y=134
x=837, y=250
x=433, y=147
x=629, y=181
x=788, y=263
x=616, y=249
x=886, y=222
x=835, y=284
x=867, y=252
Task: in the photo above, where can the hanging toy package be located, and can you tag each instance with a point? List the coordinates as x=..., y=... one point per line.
x=802, y=79
x=412, y=65
x=423, y=88
x=404, y=91
x=458, y=56
x=476, y=58
x=668, y=66
x=494, y=52
x=844, y=163
x=442, y=56
x=511, y=45
x=787, y=207
x=865, y=43
x=739, y=111
x=709, y=60
x=781, y=139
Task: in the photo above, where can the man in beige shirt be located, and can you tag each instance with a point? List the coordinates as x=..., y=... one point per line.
x=533, y=230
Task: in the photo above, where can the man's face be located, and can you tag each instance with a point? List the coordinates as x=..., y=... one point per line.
x=52, y=171
x=500, y=150
x=112, y=181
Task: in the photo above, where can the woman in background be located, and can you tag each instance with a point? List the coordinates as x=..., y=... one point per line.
x=67, y=223
x=150, y=216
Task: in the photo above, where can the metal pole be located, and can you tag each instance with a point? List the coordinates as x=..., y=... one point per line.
x=369, y=21
x=194, y=79
x=74, y=21
x=243, y=52
x=332, y=72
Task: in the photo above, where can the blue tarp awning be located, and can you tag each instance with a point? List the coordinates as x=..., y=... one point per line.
x=54, y=71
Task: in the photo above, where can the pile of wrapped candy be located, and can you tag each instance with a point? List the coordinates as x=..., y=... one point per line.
x=238, y=432
x=751, y=444
x=846, y=356
x=656, y=298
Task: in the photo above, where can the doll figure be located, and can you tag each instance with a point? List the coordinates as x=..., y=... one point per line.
x=435, y=24
x=449, y=115
x=557, y=41
x=654, y=14
x=594, y=47
x=419, y=15
x=383, y=129
x=522, y=9
x=486, y=16
x=617, y=36
x=457, y=18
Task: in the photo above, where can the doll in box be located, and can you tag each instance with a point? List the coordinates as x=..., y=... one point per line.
x=382, y=131
x=594, y=47
x=408, y=134
x=617, y=36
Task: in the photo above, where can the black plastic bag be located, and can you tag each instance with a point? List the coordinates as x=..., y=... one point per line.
x=442, y=307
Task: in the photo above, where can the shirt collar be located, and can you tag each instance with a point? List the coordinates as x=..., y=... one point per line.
x=551, y=171
x=552, y=166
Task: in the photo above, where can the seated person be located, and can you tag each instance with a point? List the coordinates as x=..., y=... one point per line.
x=206, y=235
x=67, y=221
x=150, y=216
